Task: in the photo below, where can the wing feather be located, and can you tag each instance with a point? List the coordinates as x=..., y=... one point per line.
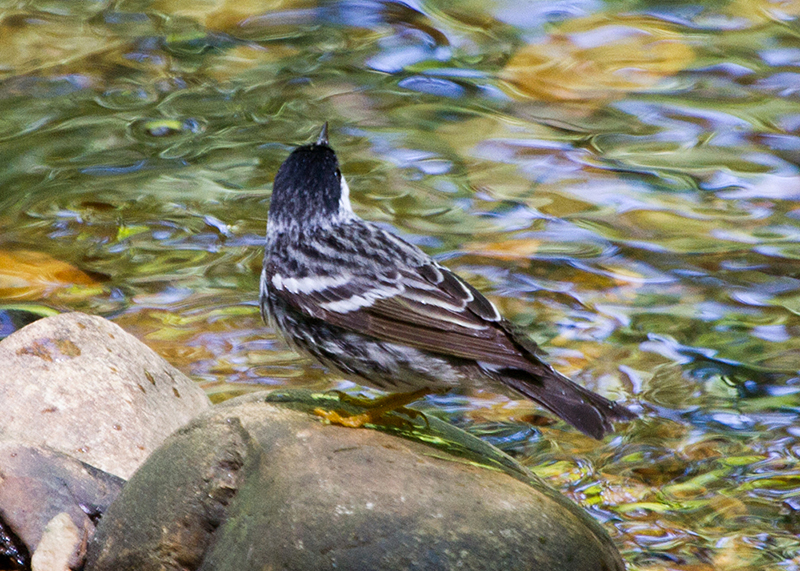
x=427, y=307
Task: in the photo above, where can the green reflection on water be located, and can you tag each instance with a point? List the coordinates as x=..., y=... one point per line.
x=647, y=237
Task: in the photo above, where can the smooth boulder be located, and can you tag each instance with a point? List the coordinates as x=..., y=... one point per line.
x=80, y=385
x=260, y=482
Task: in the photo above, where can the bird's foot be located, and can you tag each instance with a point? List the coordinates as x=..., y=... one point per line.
x=363, y=402
x=343, y=419
x=373, y=417
x=376, y=410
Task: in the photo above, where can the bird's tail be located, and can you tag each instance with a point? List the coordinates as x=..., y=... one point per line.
x=587, y=411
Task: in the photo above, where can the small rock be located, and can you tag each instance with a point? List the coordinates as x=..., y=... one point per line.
x=259, y=483
x=39, y=488
x=62, y=546
x=81, y=385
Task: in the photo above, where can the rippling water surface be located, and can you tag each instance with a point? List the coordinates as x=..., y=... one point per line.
x=620, y=177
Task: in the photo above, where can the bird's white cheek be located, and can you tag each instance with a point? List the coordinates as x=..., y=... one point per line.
x=344, y=200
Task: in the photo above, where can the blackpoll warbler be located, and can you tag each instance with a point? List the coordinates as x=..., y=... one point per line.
x=369, y=304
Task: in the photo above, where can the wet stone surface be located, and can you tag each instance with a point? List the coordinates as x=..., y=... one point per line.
x=258, y=482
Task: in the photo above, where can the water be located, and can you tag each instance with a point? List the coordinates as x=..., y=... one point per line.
x=621, y=178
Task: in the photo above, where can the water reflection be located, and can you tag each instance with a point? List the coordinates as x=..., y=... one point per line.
x=624, y=185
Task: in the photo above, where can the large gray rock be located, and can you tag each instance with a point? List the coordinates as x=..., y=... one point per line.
x=259, y=483
x=81, y=385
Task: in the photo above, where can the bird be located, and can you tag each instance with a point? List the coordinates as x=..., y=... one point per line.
x=380, y=311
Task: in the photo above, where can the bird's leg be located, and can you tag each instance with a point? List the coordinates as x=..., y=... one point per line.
x=376, y=408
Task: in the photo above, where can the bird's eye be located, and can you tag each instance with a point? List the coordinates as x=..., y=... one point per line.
x=338, y=174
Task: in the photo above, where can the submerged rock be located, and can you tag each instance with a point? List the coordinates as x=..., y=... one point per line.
x=259, y=483
x=14, y=317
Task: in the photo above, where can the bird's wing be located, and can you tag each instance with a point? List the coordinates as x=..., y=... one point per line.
x=427, y=307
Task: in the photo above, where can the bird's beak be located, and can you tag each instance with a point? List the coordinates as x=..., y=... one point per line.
x=323, y=135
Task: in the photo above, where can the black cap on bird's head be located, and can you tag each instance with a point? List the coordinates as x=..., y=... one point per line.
x=309, y=189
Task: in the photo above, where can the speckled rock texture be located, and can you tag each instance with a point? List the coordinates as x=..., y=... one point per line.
x=80, y=385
